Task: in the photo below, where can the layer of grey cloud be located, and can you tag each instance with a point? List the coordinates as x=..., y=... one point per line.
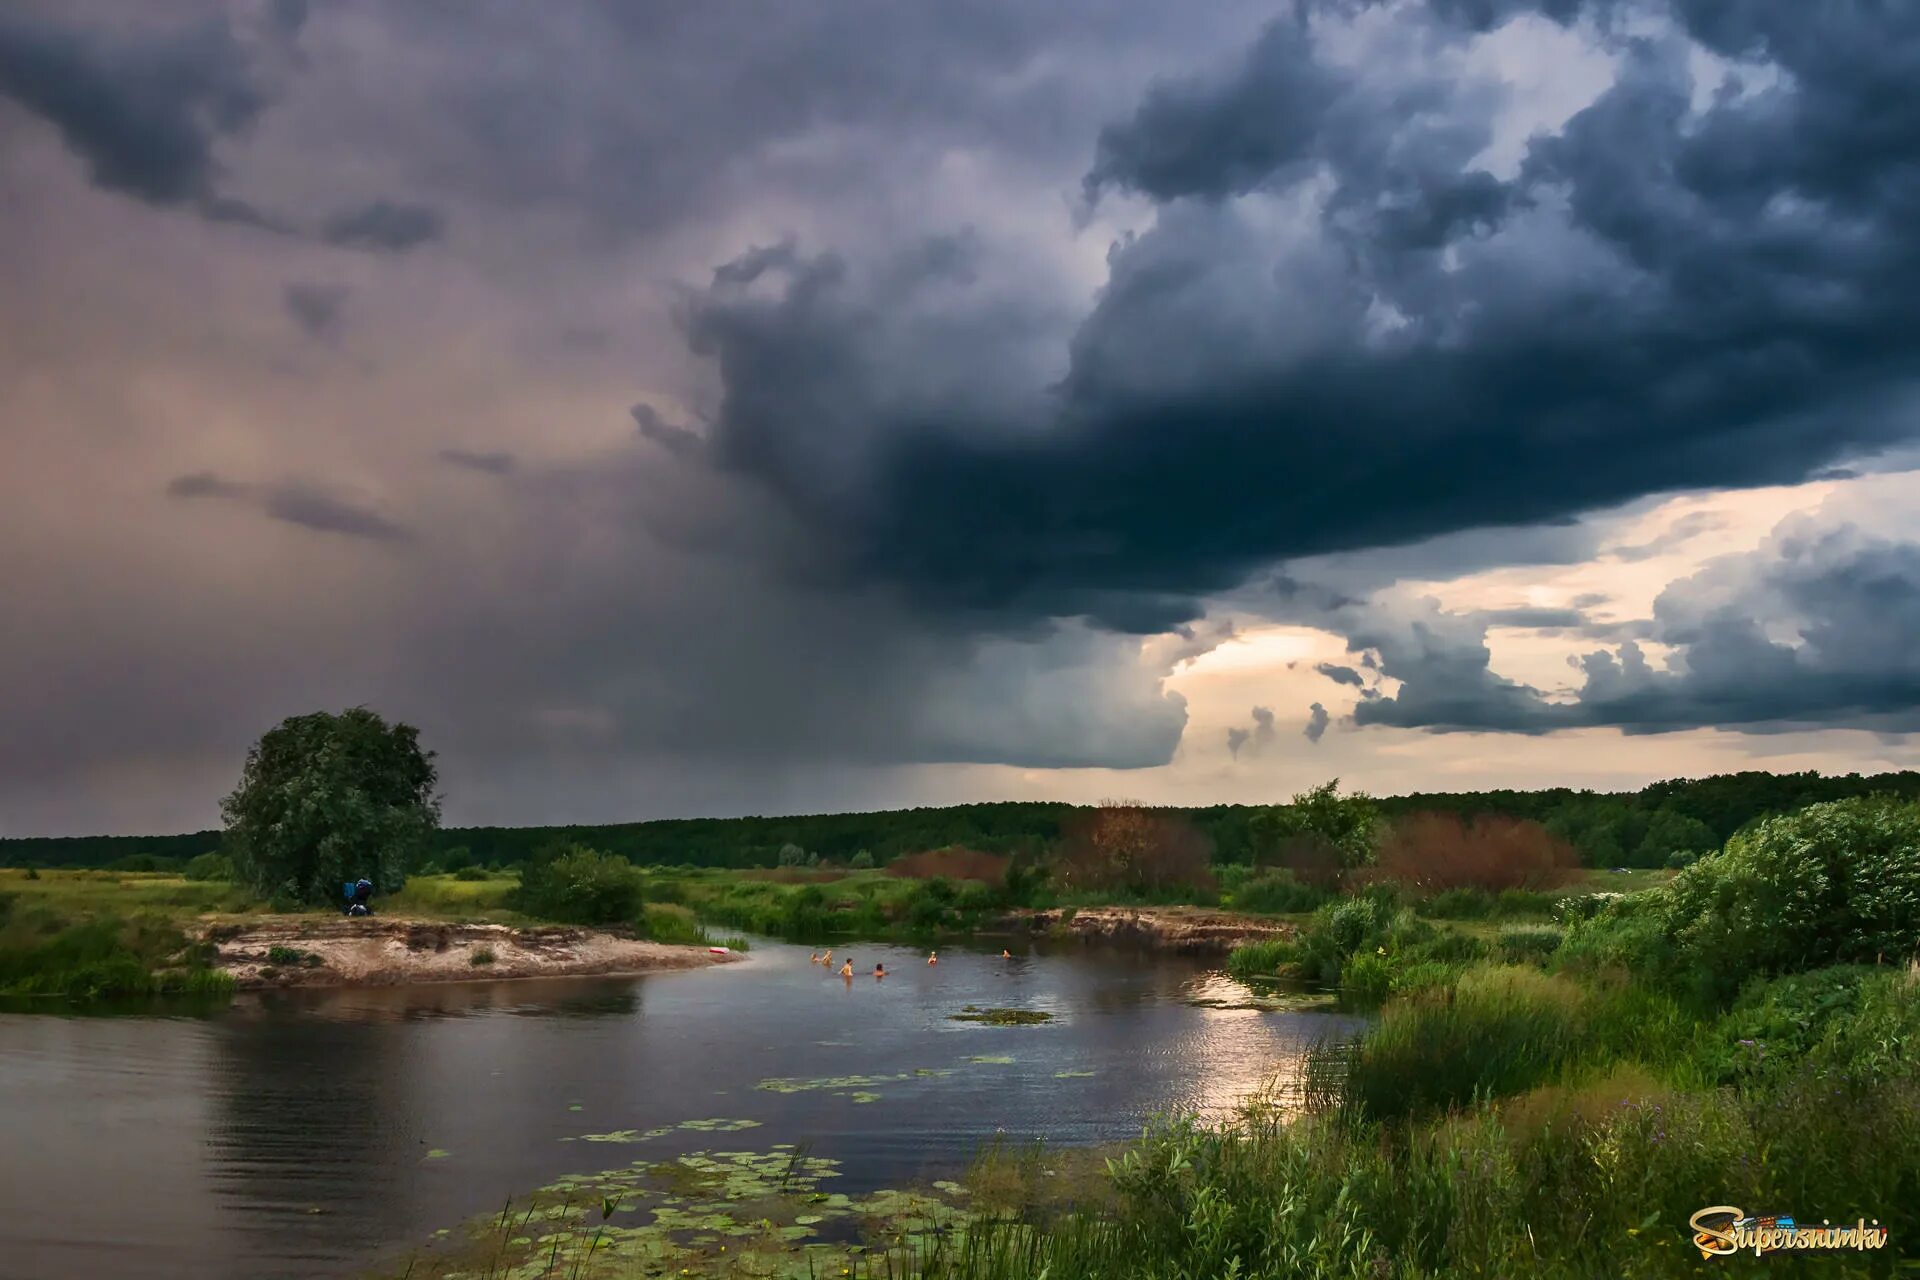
x=305, y=503
x=1815, y=627
x=495, y=463
x=1256, y=740
x=1317, y=721
x=144, y=113
x=385, y=226
x=315, y=307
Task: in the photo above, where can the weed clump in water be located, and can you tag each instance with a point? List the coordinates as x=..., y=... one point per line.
x=1001, y=1017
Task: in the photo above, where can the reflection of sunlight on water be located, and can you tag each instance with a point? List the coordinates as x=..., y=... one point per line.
x=1245, y=1053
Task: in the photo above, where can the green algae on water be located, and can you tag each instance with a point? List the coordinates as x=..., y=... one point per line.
x=707, y=1214
x=1002, y=1017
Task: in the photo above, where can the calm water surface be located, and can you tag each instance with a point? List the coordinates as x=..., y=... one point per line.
x=289, y=1136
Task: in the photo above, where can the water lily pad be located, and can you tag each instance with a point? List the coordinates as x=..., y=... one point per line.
x=437, y=1153
x=864, y=1095
x=996, y=1059
x=719, y=1125
x=1072, y=1075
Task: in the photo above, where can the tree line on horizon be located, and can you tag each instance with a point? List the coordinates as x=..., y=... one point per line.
x=1646, y=828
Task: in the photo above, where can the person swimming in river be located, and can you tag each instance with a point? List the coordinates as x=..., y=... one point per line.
x=933, y=957
x=827, y=959
x=1005, y=954
x=846, y=970
x=813, y=958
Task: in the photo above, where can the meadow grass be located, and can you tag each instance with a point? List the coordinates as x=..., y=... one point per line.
x=82, y=893
x=45, y=952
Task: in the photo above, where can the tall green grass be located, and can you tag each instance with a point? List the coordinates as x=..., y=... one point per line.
x=45, y=953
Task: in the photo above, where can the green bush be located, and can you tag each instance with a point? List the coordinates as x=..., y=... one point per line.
x=1624, y=932
x=472, y=872
x=1261, y=959
x=1372, y=922
x=43, y=953
x=578, y=885
x=1277, y=893
x=209, y=866
x=1832, y=884
x=481, y=957
x=1855, y=1025
x=667, y=922
x=1459, y=904
x=1530, y=943
x=861, y=861
x=1367, y=978
x=1497, y=1031
x=1523, y=902
x=1448, y=947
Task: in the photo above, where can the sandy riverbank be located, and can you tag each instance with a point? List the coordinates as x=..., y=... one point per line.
x=382, y=951
x=1162, y=928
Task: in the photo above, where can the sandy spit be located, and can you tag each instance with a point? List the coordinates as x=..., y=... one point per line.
x=383, y=951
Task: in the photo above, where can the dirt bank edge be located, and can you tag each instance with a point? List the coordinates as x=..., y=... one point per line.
x=1159, y=928
x=383, y=951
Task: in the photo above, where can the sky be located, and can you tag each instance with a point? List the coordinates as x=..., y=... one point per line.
x=682, y=409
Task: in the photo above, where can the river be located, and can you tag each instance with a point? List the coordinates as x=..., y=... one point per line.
x=321, y=1134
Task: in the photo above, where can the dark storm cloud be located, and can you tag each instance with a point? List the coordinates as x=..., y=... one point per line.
x=676, y=440
x=1317, y=722
x=315, y=307
x=384, y=226
x=296, y=502
x=144, y=115
x=493, y=464
x=1223, y=136
x=1339, y=674
x=1657, y=300
x=1818, y=626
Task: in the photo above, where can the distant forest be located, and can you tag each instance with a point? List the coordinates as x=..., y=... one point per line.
x=1636, y=828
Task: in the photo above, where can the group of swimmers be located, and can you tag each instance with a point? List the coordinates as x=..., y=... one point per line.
x=846, y=966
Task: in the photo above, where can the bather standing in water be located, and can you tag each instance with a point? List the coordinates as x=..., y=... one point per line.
x=846, y=970
x=933, y=957
x=880, y=971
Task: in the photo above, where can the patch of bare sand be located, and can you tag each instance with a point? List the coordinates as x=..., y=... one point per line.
x=383, y=951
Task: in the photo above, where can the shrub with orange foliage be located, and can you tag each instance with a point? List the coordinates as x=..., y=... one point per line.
x=954, y=863
x=1124, y=845
x=1432, y=852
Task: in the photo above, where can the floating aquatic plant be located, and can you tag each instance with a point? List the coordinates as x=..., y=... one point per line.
x=1002, y=1017
x=705, y=1214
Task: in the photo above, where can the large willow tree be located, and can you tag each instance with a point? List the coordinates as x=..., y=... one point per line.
x=325, y=799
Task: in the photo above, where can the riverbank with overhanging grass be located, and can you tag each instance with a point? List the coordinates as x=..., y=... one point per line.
x=944, y=894
x=1747, y=1035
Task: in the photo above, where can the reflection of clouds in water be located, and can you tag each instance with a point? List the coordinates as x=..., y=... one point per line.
x=1243, y=1053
